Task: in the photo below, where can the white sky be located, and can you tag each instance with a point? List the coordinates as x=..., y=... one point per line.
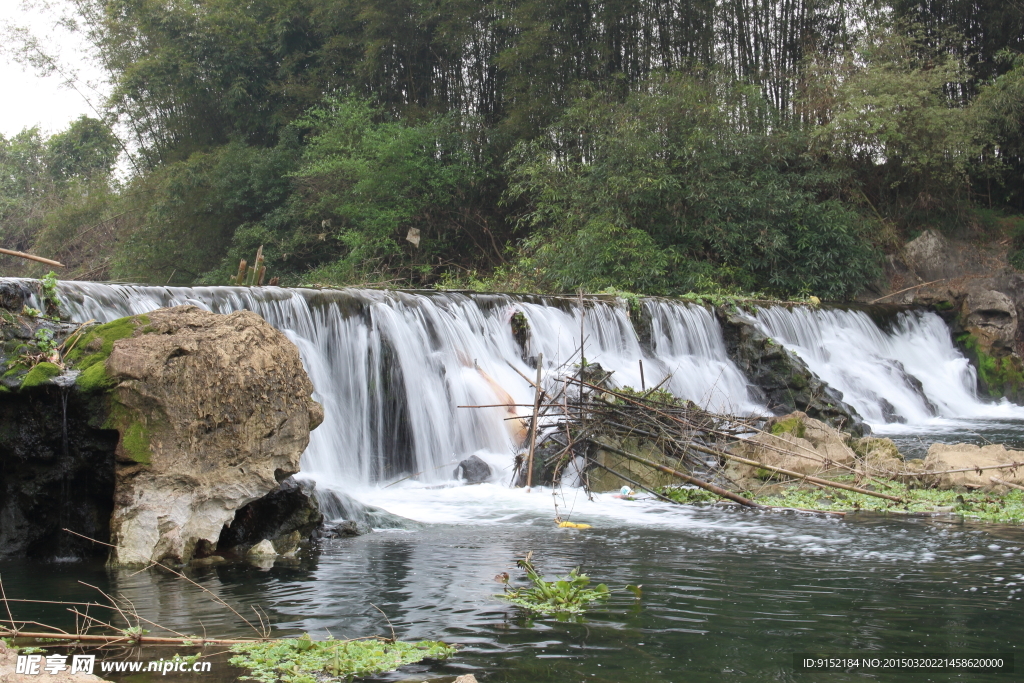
x=31, y=100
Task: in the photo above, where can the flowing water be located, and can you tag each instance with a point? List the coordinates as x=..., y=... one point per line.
x=728, y=595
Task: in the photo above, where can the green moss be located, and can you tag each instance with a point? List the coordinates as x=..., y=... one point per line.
x=998, y=376
x=792, y=425
x=135, y=442
x=135, y=435
x=40, y=374
x=943, y=306
x=84, y=355
x=94, y=378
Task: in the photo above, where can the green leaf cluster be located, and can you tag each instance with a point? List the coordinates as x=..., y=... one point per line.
x=303, y=660
x=569, y=595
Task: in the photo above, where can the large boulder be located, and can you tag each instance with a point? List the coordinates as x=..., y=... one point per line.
x=213, y=411
x=801, y=444
x=991, y=318
x=943, y=457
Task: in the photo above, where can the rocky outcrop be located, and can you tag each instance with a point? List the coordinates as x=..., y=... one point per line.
x=780, y=379
x=56, y=472
x=801, y=444
x=213, y=412
x=980, y=295
x=942, y=457
x=9, y=670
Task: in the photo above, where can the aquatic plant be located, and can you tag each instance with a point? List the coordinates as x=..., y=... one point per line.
x=303, y=660
x=978, y=505
x=569, y=595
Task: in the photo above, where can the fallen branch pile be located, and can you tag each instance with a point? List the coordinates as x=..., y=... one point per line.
x=582, y=415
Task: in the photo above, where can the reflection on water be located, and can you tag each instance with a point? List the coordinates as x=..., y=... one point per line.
x=728, y=595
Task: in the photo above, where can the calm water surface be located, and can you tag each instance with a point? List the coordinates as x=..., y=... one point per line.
x=729, y=595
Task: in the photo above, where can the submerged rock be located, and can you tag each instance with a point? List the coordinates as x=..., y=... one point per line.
x=262, y=549
x=473, y=470
x=213, y=412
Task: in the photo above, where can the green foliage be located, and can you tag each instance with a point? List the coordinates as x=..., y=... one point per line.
x=667, y=191
x=652, y=395
x=569, y=595
x=984, y=506
x=534, y=145
x=303, y=660
x=369, y=182
x=85, y=149
x=49, y=289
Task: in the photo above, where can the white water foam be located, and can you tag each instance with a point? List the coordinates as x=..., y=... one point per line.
x=913, y=373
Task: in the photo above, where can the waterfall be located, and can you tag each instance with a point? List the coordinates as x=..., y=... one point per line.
x=392, y=369
x=910, y=373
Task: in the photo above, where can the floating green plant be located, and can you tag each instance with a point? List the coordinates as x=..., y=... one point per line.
x=303, y=660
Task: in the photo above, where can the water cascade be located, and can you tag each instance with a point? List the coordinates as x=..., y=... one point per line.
x=393, y=368
x=909, y=374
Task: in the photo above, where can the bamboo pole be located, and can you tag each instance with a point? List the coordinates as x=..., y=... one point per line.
x=791, y=473
x=1007, y=483
x=533, y=427
x=707, y=486
x=138, y=640
x=31, y=257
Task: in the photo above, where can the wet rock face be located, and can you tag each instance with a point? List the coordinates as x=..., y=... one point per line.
x=56, y=472
x=782, y=379
x=472, y=470
x=213, y=412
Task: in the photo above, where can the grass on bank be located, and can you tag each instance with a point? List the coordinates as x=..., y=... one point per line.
x=986, y=506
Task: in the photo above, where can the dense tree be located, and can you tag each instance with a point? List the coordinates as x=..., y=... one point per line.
x=657, y=145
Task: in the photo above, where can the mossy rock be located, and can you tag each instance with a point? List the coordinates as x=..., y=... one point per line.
x=792, y=425
x=97, y=344
x=41, y=373
x=998, y=377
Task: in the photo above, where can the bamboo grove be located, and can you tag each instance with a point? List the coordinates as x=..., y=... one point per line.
x=655, y=146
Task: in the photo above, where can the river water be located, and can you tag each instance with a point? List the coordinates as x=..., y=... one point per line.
x=728, y=595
